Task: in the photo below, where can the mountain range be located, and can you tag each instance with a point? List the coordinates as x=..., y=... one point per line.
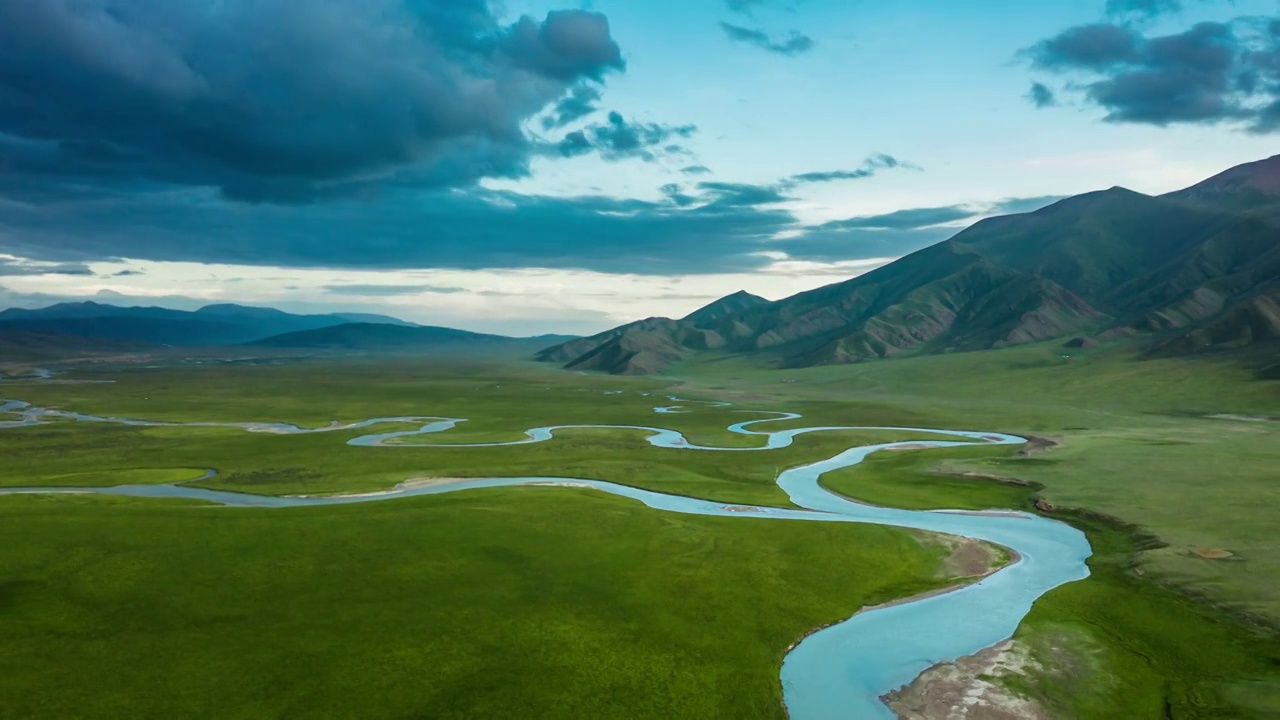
x=210, y=325
x=381, y=336
x=1193, y=270
x=97, y=328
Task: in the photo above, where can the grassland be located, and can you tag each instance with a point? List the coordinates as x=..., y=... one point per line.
x=528, y=603
x=1176, y=451
x=498, y=402
x=1117, y=644
x=1140, y=442
x=1171, y=461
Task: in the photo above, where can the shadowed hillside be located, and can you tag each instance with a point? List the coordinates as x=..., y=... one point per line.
x=1196, y=269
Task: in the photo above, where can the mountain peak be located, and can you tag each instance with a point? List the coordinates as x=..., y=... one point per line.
x=725, y=306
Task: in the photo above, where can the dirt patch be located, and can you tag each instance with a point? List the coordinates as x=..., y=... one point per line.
x=910, y=446
x=1037, y=444
x=969, y=689
x=739, y=508
x=1213, y=553
x=990, y=476
x=401, y=487
x=972, y=558
x=969, y=558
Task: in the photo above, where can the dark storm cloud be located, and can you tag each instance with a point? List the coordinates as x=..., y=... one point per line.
x=1041, y=96
x=579, y=103
x=869, y=167
x=1093, y=47
x=439, y=229
x=1209, y=73
x=280, y=101
x=793, y=44
x=619, y=139
x=711, y=228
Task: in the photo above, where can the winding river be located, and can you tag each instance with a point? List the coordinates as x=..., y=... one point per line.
x=837, y=672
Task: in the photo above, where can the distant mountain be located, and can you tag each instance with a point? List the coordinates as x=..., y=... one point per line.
x=274, y=315
x=211, y=325
x=1195, y=269
x=369, y=336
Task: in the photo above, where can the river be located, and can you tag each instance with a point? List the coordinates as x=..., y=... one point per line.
x=837, y=672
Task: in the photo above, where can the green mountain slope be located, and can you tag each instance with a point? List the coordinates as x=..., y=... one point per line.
x=1192, y=267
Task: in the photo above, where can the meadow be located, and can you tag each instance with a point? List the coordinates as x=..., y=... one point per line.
x=529, y=603
x=1167, y=465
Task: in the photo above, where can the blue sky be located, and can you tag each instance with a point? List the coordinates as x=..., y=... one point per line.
x=551, y=166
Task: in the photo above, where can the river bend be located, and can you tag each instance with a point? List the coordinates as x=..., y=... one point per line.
x=837, y=672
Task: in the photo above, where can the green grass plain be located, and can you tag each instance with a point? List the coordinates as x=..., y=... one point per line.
x=528, y=603
x=1139, y=443
x=1164, y=457
x=1157, y=629
x=1117, y=644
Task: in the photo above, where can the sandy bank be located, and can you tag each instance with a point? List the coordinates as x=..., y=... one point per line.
x=968, y=688
x=412, y=484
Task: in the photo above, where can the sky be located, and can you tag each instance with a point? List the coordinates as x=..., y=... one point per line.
x=527, y=167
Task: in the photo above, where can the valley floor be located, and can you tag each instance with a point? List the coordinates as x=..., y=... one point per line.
x=509, y=601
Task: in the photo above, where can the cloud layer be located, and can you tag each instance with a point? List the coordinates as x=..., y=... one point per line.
x=1209, y=73
x=281, y=101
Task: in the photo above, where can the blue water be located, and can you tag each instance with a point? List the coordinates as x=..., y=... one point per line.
x=837, y=672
